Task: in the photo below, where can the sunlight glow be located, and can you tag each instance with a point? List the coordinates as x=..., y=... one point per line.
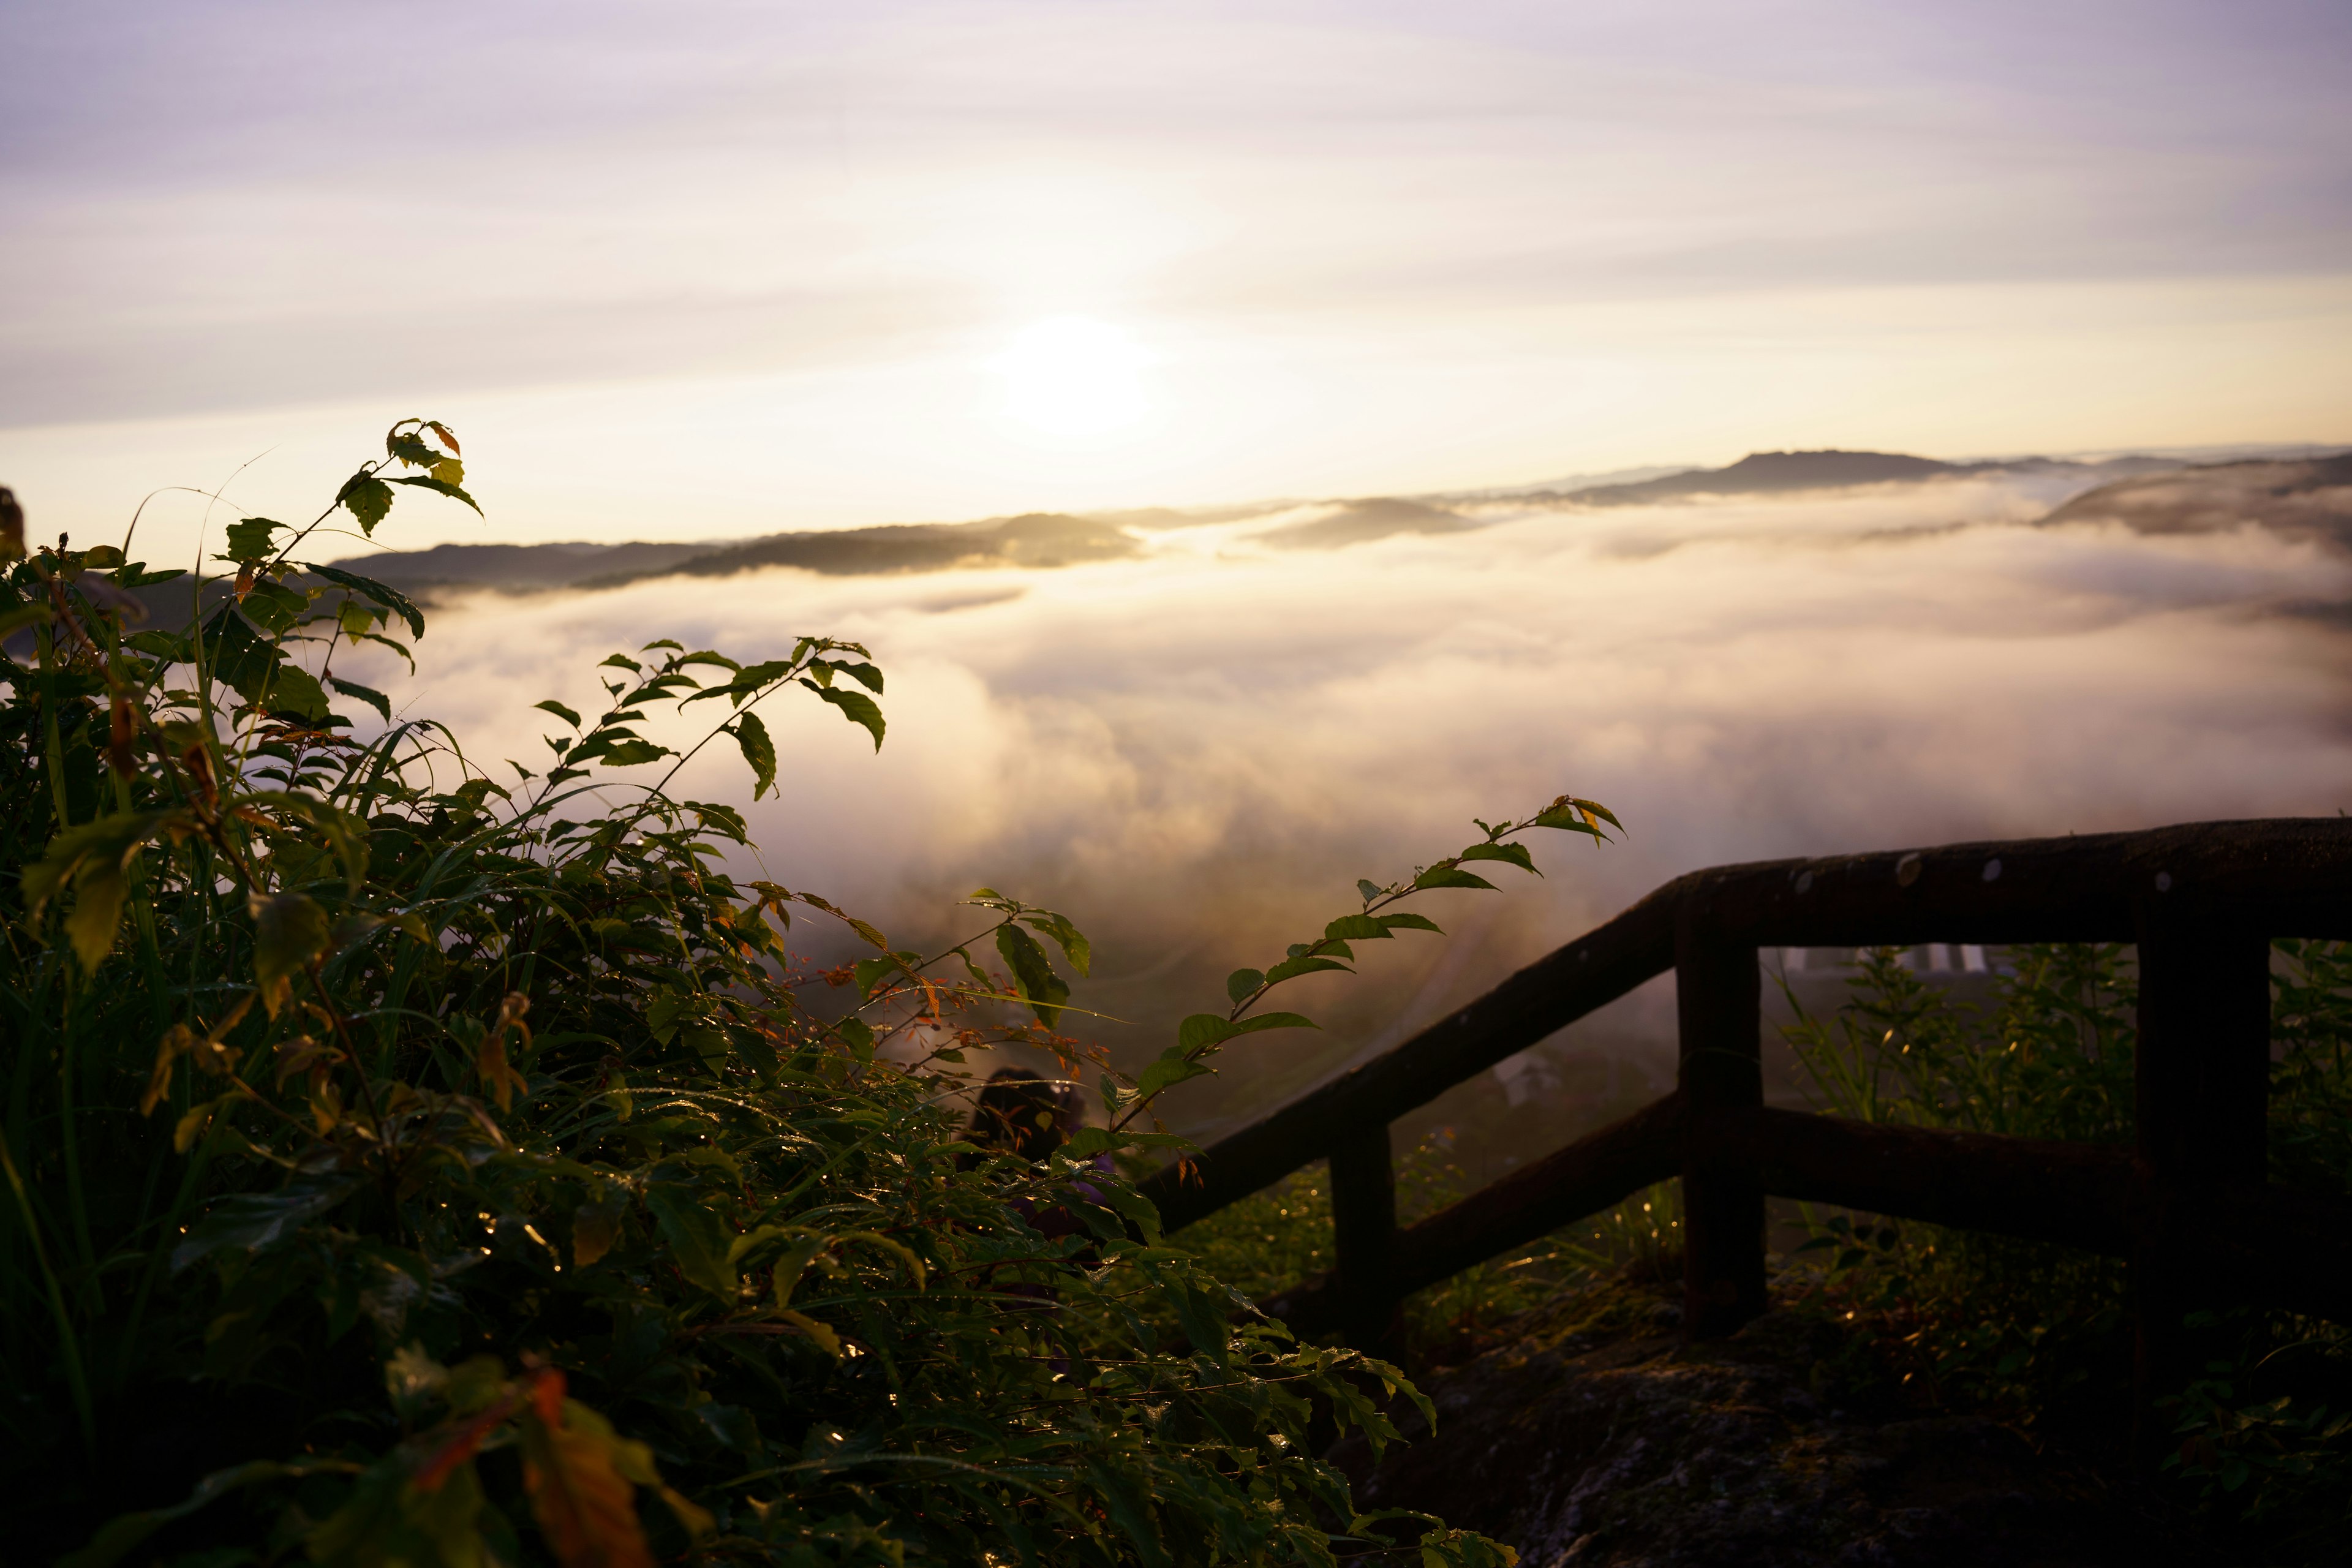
x=1072, y=376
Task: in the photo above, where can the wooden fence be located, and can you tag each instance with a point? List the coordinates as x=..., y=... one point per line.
x=2188, y=1205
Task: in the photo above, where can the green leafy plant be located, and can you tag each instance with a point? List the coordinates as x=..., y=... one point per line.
x=409, y=1164
x=2039, y=1333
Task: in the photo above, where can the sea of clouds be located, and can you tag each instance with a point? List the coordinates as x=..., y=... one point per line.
x=1196, y=753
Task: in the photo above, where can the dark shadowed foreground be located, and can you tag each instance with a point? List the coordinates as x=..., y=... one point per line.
x=1590, y=1434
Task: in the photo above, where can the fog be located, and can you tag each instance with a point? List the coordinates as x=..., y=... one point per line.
x=1195, y=753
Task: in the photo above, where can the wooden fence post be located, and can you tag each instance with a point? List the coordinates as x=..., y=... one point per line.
x=1718, y=1007
x=2201, y=1095
x=1363, y=1230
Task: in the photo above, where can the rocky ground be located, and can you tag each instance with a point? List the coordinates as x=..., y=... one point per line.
x=1590, y=1436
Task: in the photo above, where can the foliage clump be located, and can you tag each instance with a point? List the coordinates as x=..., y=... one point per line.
x=2040, y=1332
x=412, y=1164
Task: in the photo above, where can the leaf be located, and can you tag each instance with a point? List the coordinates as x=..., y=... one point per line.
x=369, y=588
x=631, y=753
x=289, y=930
x=1172, y=1067
x=1242, y=982
x=17, y=617
x=1305, y=963
x=823, y=1337
x=368, y=499
x=865, y=674
x=1203, y=1029
x=1409, y=922
x=792, y=1265
x=1354, y=927
x=758, y=751
x=1448, y=877
x=449, y=438
x=698, y=1239
x=560, y=710
x=367, y=694
x=96, y=858
x=249, y=1222
x=1034, y=978
x=855, y=706
x=427, y=482
x=1067, y=937
x=571, y=1467
x=595, y=1230
x=1516, y=854
x=1573, y=814
x=248, y=539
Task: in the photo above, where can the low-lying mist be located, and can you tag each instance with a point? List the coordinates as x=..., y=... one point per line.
x=1196, y=751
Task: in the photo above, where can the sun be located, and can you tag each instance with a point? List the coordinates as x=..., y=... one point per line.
x=1072, y=375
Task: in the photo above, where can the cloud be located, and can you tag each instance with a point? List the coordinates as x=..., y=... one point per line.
x=1197, y=752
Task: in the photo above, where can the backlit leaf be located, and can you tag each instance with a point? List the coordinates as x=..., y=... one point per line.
x=1354, y=927
x=427, y=482
x=1516, y=854
x=369, y=588
x=585, y=1507
x=289, y=930
x=560, y=710
x=855, y=706
x=248, y=539
x=698, y=1238
x=758, y=751
x=367, y=694
x=1242, y=982
x=1449, y=877
x=1207, y=1030
x=1043, y=990
x=1410, y=922
x=368, y=500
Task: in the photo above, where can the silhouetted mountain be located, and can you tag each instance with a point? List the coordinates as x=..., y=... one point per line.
x=1362, y=521
x=2308, y=499
x=1033, y=538
x=1781, y=473
x=517, y=568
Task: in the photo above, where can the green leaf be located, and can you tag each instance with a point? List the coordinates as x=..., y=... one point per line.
x=369, y=588
x=441, y=486
x=1203, y=1029
x=368, y=500
x=631, y=753
x=1369, y=888
x=560, y=710
x=289, y=930
x=1242, y=982
x=16, y=617
x=865, y=674
x=367, y=694
x=1173, y=1067
x=247, y=1222
x=96, y=858
x=248, y=539
x=1354, y=927
x=855, y=706
x=273, y=607
x=257, y=672
x=698, y=1240
x=1067, y=937
x=1516, y=854
x=758, y=751
x=1448, y=877
x=1574, y=816
x=1034, y=978
x=1292, y=968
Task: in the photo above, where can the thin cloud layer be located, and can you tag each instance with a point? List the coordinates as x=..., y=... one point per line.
x=1195, y=753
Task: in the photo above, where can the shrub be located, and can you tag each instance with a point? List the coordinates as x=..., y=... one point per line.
x=413, y=1164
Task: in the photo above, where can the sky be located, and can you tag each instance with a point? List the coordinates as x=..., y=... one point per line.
x=694, y=270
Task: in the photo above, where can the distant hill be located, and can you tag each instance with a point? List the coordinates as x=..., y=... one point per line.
x=1034, y=538
x=1360, y=521
x=517, y=568
x=2311, y=498
x=1781, y=473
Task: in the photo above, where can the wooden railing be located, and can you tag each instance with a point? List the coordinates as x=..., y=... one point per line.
x=2188, y=1206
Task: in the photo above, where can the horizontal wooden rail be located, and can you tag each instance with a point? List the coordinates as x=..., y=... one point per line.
x=2186, y=1204
x=2282, y=1245
x=2297, y=872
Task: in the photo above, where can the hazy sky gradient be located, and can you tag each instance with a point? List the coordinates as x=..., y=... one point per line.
x=759, y=266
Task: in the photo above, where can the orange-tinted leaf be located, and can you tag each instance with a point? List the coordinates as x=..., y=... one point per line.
x=585, y=1507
